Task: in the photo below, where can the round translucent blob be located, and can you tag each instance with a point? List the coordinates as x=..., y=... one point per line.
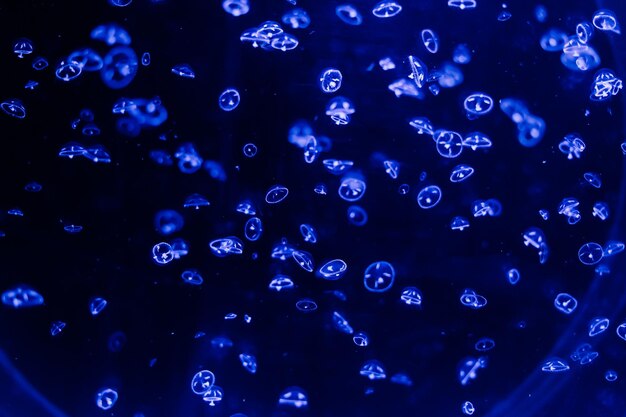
x=120, y=67
x=459, y=223
x=280, y=282
x=513, y=276
x=593, y=179
x=293, y=397
x=167, y=222
x=357, y=215
x=360, y=339
x=429, y=197
x=23, y=47
x=553, y=40
x=202, y=381
x=13, y=108
x=484, y=344
x=229, y=99
x=565, y=303
x=468, y=408
x=449, y=144
x=373, y=370
x=462, y=54
x=461, y=173
x=386, y=9
x=33, y=187
x=249, y=150
x=478, y=104
x=145, y=59
x=530, y=131
x=430, y=40
x=333, y=270
x=352, y=189
x=162, y=253
x=308, y=233
x=236, y=7
x=590, y=253
x=111, y=34
x=40, y=64
x=297, y=19
x=226, y=246
x=379, y=276
x=349, y=14
x=106, y=398
x=22, y=296
x=330, y=80
x=411, y=296
x=191, y=276
x=306, y=305
x=610, y=375
x=276, y=194
x=253, y=229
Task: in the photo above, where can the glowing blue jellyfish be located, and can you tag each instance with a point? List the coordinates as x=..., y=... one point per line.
x=336, y=166
x=15, y=212
x=577, y=56
x=333, y=270
x=283, y=250
x=229, y=99
x=30, y=85
x=392, y=168
x=613, y=247
x=57, y=327
x=349, y=14
x=449, y=144
x=584, y=31
x=226, y=246
x=270, y=29
x=621, y=330
x=202, y=381
x=340, y=110
x=330, y=80
x=304, y=259
x=306, y=305
x=352, y=189
x=90, y=129
x=422, y=125
x=308, y=233
x=484, y=344
x=248, y=362
x=429, y=197
x=531, y=130
x=33, y=187
x=515, y=109
x=541, y=14
x=249, y=150
x=419, y=71
x=461, y=54
x=280, y=282
x=401, y=379
x=386, y=64
x=87, y=59
x=476, y=140
x=253, y=229
x=297, y=19
x=111, y=34
x=254, y=37
x=341, y=323
x=468, y=408
x=167, y=222
x=605, y=85
x=471, y=299
x=284, y=42
x=430, y=40
x=179, y=248
x=106, y=398
x=320, y=189
x=373, y=370
x=120, y=67
x=379, y=276
x=590, y=253
x=276, y=194
x=293, y=397
x=404, y=87
x=183, y=71
x=196, y=201
x=411, y=296
x=246, y=207
x=477, y=104
x=462, y=4
x=192, y=277
x=593, y=179
x=22, y=296
x=555, y=365
x=96, y=305
x=311, y=150
x=236, y=7
x=606, y=20
x=572, y=145
x=610, y=375
x=584, y=354
x=468, y=367
x=120, y=3
x=598, y=325
x=461, y=173
x=384, y=9
x=357, y=215
x=73, y=228
x=13, y=108
x=513, y=276
x=565, y=303
x=23, y=47
x=360, y=339
x=459, y=223
x=39, y=64
x=504, y=15
x=145, y=59
x=404, y=189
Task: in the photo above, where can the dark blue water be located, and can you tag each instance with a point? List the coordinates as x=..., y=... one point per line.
x=157, y=330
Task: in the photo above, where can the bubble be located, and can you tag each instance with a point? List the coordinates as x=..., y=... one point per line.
x=429, y=197
x=229, y=99
x=106, y=398
x=379, y=276
x=330, y=80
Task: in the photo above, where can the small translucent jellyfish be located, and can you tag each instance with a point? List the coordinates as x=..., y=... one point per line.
x=120, y=67
x=57, y=327
x=404, y=189
x=352, y=189
x=419, y=71
x=341, y=323
x=386, y=64
x=22, y=296
x=605, y=20
x=605, y=85
x=430, y=40
x=357, y=215
x=429, y=197
x=541, y=14
x=196, y=201
x=308, y=233
x=236, y=7
x=336, y=166
x=73, y=228
x=448, y=75
x=229, y=99
x=106, y=398
x=530, y=131
x=120, y=3
x=461, y=173
x=248, y=362
x=360, y=339
x=373, y=370
x=593, y=179
x=293, y=397
x=145, y=59
x=555, y=365
x=23, y=47
x=111, y=34
x=404, y=87
x=217, y=343
x=584, y=354
x=584, y=31
x=246, y=207
x=192, y=277
x=590, y=253
x=468, y=408
x=598, y=325
x=13, y=108
x=202, y=381
x=276, y=194
x=270, y=29
x=379, y=276
x=467, y=368
x=449, y=144
x=461, y=54
x=297, y=19
x=471, y=299
x=610, y=375
x=249, y=150
x=477, y=104
x=484, y=344
x=30, y=85
x=284, y=42
x=96, y=305
x=515, y=109
x=15, y=212
x=311, y=150
x=513, y=276
x=226, y=246
x=349, y=14
x=621, y=330
x=167, y=222
x=459, y=223
x=386, y=9
x=87, y=59
x=613, y=247
x=462, y=4
x=256, y=38
x=565, y=303
x=330, y=80
x=39, y=64
x=183, y=71
x=476, y=140
x=90, y=129
x=572, y=145
x=230, y=316
x=340, y=110
x=213, y=395
x=411, y=296
x=253, y=229
x=283, y=250
x=504, y=15
x=306, y=305
x=320, y=189
x=280, y=282
x=33, y=187
x=392, y=168
x=422, y=125
x=333, y=270
x=304, y=259
x=162, y=253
